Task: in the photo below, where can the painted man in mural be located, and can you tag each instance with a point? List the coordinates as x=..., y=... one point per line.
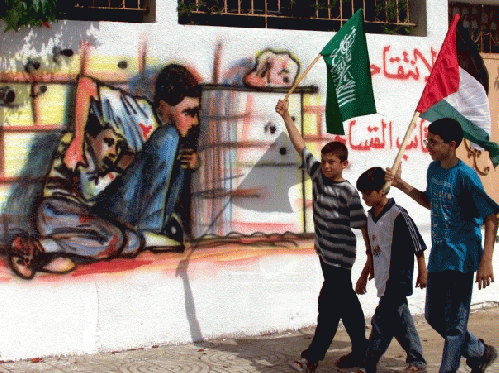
x=116, y=179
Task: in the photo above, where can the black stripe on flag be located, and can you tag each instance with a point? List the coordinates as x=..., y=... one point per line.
x=469, y=58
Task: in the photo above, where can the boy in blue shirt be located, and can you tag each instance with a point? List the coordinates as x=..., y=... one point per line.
x=394, y=240
x=459, y=206
x=337, y=209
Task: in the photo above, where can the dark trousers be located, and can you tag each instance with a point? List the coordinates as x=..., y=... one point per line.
x=337, y=301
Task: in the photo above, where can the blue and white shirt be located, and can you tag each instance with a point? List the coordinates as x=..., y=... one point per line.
x=394, y=239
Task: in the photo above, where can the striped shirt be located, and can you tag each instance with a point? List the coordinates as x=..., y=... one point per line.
x=337, y=209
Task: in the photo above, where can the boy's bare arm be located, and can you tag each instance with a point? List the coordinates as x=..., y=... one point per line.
x=485, y=274
x=366, y=274
x=417, y=195
x=422, y=280
x=295, y=135
x=368, y=270
x=367, y=242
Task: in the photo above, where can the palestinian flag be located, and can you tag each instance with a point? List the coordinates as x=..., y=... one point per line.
x=458, y=87
x=349, y=85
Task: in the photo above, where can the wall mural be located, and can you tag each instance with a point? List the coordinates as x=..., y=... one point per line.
x=94, y=166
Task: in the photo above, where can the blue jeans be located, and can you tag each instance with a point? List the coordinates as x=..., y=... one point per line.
x=448, y=299
x=392, y=319
x=77, y=232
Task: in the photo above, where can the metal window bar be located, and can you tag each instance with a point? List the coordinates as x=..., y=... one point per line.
x=481, y=21
x=111, y=4
x=393, y=12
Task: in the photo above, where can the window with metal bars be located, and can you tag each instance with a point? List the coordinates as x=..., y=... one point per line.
x=112, y=10
x=381, y=16
x=481, y=21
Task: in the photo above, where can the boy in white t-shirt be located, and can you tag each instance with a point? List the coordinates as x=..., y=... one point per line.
x=394, y=240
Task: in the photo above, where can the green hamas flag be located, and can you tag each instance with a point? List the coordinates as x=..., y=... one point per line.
x=349, y=85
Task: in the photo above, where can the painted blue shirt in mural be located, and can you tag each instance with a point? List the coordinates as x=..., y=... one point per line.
x=459, y=205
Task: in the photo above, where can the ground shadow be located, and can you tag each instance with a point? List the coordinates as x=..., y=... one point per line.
x=272, y=353
x=190, y=306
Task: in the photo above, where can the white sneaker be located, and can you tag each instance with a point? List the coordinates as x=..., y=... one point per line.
x=160, y=242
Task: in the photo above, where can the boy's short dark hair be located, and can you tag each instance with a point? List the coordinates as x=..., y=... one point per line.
x=372, y=179
x=174, y=83
x=448, y=129
x=336, y=148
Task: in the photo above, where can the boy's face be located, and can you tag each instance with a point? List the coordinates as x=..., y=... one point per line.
x=104, y=147
x=373, y=197
x=332, y=167
x=184, y=116
x=438, y=149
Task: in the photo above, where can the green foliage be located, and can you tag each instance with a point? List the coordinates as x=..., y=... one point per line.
x=393, y=11
x=30, y=13
x=186, y=9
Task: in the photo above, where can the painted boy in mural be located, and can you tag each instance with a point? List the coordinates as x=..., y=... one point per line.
x=116, y=180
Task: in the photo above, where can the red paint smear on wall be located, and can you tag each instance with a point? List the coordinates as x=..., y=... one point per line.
x=116, y=265
x=208, y=257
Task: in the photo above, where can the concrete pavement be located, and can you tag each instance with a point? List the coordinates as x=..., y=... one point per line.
x=265, y=353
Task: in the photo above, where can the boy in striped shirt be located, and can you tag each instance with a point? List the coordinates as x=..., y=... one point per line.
x=337, y=209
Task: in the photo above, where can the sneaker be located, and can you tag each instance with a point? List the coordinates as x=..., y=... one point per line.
x=24, y=256
x=478, y=365
x=303, y=365
x=157, y=243
x=350, y=360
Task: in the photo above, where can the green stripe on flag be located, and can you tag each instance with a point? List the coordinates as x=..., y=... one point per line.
x=443, y=109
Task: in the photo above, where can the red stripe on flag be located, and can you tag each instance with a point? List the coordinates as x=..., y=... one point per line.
x=444, y=77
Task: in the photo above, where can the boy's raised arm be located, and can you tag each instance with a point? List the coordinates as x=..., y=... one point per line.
x=295, y=135
x=485, y=274
x=86, y=89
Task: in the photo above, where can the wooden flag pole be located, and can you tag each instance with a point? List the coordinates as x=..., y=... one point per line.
x=300, y=78
x=398, y=158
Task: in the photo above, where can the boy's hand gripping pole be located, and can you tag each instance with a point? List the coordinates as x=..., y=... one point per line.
x=398, y=158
